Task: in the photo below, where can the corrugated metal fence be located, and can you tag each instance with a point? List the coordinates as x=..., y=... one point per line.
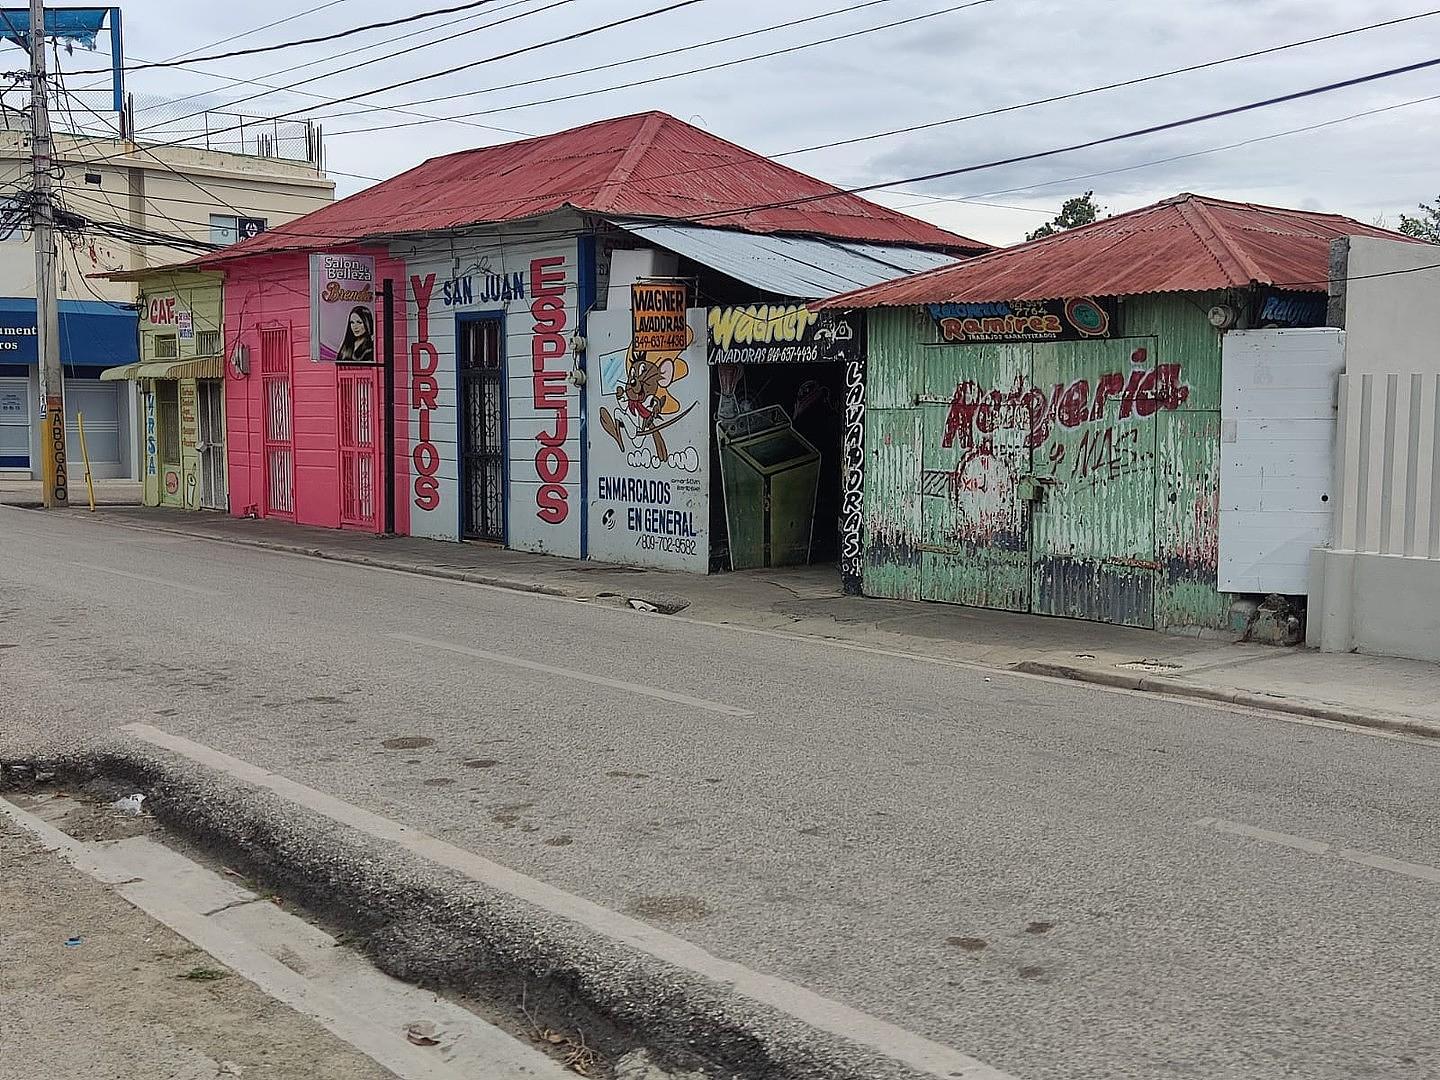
x=1388, y=466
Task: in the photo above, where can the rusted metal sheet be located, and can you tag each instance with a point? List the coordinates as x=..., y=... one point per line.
x=1092, y=542
x=892, y=504
x=974, y=455
x=1068, y=478
x=1189, y=243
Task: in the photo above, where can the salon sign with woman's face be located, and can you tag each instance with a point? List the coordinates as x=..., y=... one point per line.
x=342, y=309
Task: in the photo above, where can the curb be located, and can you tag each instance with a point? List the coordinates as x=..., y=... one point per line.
x=1246, y=698
x=474, y=577
x=1146, y=684
x=428, y=925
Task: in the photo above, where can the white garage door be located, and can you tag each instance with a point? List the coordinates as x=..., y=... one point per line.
x=14, y=423
x=100, y=402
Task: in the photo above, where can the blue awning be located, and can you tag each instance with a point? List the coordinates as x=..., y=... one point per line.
x=802, y=267
x=92, y=332
x=80, y=25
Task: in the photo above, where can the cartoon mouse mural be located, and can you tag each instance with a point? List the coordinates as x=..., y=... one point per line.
x=645, y=405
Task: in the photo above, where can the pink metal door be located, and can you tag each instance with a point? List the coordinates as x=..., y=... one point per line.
x=279, y=444
x=358, y=501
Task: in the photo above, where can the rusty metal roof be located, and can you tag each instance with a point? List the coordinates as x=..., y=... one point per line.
x=1189, y=243
x=649, y=165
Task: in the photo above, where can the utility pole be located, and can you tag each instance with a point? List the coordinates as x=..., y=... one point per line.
x=47, y=316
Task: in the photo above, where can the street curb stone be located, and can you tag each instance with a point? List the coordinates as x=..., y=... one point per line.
x=1227, y=696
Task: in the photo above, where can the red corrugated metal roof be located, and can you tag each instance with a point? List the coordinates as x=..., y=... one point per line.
x=650, y=165
x=1189, y=243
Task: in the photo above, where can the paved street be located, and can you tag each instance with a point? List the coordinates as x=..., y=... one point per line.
x=1061, y=881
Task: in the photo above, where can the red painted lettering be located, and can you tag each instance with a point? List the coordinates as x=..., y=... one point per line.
x=424, y=396
x=553, y=501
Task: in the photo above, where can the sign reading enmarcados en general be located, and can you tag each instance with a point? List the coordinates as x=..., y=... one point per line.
x=1077, y=319
x=342, y=309
x=657, y=314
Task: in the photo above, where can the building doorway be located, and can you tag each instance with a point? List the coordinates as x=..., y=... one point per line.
x=779, y=429
x=213, y=494
x=481, y=359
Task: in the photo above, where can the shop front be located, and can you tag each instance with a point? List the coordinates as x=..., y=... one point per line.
x=1046, y=428
x=94, y=336
x=305, y=393
x=181, y=389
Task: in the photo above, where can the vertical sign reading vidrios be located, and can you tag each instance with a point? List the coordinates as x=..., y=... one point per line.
x=424, y=401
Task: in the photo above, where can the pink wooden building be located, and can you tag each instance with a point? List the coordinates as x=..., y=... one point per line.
x=304, y=438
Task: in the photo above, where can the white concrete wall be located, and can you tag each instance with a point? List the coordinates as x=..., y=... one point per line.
x=1376, y=588
x=543, y=514
x=1386, y=605
x=1392, y=320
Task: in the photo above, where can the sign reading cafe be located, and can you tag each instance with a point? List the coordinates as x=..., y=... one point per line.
x=1077, y=319
x=780, y=334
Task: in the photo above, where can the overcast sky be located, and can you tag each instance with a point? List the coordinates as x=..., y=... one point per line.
x=993, y=54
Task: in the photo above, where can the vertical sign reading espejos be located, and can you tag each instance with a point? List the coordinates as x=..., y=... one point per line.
x=342, y=309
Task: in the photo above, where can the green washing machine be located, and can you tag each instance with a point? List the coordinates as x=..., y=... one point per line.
x=771, y=474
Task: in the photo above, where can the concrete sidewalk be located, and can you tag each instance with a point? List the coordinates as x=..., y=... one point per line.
x=1393, y=694
x=22, y=492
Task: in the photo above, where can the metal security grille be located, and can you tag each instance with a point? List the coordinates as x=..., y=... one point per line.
x=482, y=389
x=279, y=444
x=213, y=495
x=357, y=448
x=167, y=408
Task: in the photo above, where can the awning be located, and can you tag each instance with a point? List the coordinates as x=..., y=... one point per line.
x=803, y=267
x=121, y=373
x=203, y=367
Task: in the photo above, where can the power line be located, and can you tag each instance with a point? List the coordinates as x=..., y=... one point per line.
x=575, y=36
x=413, y=48
x=739, y=212
x=349, y=55
x=296, y=43
x=927, y=199
x=621, y=63
x=680, y=74
x=1112, y=86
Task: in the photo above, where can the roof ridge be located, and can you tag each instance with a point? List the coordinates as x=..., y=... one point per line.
x=1208, y=230
x=625, y=167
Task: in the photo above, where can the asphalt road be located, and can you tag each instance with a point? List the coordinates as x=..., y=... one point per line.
x=1061, y=881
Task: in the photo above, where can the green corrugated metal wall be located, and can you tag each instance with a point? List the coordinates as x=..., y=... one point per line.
x=1125, y=525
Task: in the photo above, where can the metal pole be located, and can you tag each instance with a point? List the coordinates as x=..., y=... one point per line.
x=85, y=456
x=387, y=395
x=47, y=318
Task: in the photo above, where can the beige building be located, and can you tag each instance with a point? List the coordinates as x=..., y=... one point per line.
x=156, y=196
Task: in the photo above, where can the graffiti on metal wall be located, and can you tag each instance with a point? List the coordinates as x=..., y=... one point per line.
x=852, y=500
x=548, y=350
x=976, y=413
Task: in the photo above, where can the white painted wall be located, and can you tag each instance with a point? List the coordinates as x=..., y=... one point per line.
x=1277, y=455
x=1392, y=320
x=1376, y=587
x=643, y=511
x=541, y=516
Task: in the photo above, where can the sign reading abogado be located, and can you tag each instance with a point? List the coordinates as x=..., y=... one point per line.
x=342, y=309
